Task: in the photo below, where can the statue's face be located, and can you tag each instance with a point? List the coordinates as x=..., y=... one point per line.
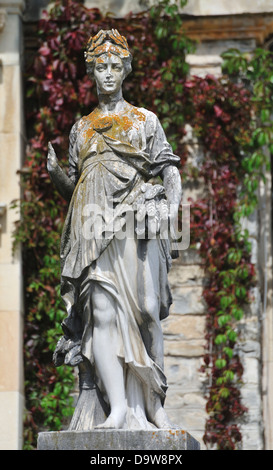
x=109, y=73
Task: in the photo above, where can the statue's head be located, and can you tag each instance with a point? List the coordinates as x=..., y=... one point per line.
x=107, y=43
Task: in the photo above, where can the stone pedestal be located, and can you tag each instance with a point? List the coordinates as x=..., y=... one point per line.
x=108, y=440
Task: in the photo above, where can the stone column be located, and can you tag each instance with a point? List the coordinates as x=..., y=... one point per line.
x=11, y=151
x=266, y=274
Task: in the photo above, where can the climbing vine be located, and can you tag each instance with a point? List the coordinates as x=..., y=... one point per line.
x=247, y=150
x=58, y=92
x=224, y=247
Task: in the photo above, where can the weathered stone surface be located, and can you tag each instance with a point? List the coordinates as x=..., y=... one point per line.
x=187, y=300
x=251, y=369
x=251, y=349
x=158, y=439
x=188, y=275
x=2, y=19
x=194, y=7
x=225, y=7
x=183, y=372
x=250, y=223
x=232, y=26
x=124, y=325
x=186, y=348
x=184, y=335
x=252, y=437
x=185, y=326
x=11, y=429
x=202, y=65
x=192, y=419
x=189, y=256
x=10, y=363
x=9, y=301
x=177, y=398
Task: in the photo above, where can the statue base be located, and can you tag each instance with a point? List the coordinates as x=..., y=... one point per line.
x=118, y=439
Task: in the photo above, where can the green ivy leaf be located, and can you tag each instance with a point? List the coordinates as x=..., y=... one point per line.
x=237, y=312
x=224, y=392
x=220, y=339
x=223, y=320
x=228, y=352
x=220, y=363
x=229, y=375
x=232, y=335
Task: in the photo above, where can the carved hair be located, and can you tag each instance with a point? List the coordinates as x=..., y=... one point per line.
x=111, y=42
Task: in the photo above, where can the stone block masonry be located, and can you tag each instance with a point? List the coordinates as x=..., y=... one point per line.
x=184, y=345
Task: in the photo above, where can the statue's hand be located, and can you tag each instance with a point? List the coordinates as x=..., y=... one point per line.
x=173, y=212
x=52, y=160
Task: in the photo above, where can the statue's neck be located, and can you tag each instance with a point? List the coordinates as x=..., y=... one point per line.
x=110, y=104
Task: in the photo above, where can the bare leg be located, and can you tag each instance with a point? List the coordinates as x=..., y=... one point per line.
x=151, y=331
x=108, y=365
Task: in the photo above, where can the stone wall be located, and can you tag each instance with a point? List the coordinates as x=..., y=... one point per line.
x=184, y=345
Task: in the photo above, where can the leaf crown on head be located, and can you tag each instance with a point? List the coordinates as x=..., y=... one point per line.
x=107, y=41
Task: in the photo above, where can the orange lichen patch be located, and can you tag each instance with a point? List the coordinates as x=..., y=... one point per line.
x=114, y=124
x=140, y=116
x=101, y=59
x=107, y=41
x=176, y=432
x=108, y=49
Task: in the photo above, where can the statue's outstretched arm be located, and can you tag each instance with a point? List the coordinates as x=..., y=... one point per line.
x=64, y=185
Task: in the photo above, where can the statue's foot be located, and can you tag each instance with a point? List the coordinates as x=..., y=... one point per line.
x=162, y=421
x=115, y=420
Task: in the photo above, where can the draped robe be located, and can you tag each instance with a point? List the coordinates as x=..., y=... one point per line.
x=111, y=160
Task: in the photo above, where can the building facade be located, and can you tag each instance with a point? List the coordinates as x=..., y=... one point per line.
x=217, y=26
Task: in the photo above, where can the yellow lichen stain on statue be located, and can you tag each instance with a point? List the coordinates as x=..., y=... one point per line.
x=114, y=124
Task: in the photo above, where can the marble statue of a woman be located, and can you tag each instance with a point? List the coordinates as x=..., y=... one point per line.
x=115, y=287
